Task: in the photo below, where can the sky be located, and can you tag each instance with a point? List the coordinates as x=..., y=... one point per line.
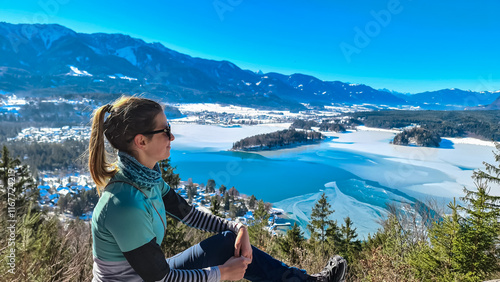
x=409, y=46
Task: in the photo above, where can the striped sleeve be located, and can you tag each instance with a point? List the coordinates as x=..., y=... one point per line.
x=177, y=207
x=209, y=222
x=209, y=274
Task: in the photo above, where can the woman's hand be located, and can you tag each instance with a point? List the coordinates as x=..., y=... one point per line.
x=234, y=268
x=242, y=245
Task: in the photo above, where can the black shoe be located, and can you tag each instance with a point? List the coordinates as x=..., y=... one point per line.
x=334, y=271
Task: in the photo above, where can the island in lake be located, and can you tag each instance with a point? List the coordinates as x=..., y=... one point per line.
x=417, y=136
x=278, y=139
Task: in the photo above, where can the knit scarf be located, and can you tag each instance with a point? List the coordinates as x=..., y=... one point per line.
x=137, y=172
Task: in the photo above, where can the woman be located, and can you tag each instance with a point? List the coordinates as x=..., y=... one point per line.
x=129, y=221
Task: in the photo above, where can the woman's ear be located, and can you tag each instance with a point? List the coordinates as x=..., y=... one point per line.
x=140, y=141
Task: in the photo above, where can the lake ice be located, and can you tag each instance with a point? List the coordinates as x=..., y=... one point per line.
x=359, y=170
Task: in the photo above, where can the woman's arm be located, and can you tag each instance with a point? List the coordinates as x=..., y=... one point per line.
x=178, y=207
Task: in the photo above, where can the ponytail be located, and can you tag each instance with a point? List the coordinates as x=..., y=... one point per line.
x=128, y=116
x=100, y=169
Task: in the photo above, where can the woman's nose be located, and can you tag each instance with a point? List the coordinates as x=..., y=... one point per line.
x=172, y=137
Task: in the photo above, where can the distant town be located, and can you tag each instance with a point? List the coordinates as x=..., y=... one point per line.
x=54, y=186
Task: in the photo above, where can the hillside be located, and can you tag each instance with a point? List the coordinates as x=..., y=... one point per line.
x=45, y=60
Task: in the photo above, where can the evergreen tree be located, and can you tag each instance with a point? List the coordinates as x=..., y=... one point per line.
x=167, y=173
x=77, y=208
x=191, y=191
x=465, y=248
x=477, y=253
x=437, y=260
x=492, y=173
x=292, y=243
x=345, y=239
x=18, y=187
x=91, y=198
x=257, y=227
x=211, y=186
x=320, y=220
x=175, y=239
x=237, y=208
x=252, y=201
x=215, y=205
x=64, y=202
x=227, y=203
x=222, y=189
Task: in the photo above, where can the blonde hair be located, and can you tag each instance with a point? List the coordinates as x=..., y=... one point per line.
x=128, y=116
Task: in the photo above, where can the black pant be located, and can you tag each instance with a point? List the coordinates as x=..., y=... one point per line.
x=217, y=249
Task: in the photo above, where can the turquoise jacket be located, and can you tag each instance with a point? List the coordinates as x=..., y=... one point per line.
x=124, y=219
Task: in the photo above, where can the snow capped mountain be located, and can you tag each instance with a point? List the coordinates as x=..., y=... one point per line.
x=454, y=97
x=76, y=72
x=49, y=58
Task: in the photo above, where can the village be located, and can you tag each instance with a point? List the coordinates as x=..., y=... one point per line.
x=53, y=189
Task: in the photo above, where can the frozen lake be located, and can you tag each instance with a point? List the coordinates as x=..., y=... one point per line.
x=359, y=171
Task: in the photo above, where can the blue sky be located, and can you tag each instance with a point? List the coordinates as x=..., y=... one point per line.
x=403, y=45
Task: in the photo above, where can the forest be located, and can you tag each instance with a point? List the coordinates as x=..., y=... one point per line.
x=460, y=245
x=278, y=139
x=66, y=156
x=479, y=124
x=334, y=125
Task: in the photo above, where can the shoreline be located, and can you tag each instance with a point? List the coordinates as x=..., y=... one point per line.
x=455, y=140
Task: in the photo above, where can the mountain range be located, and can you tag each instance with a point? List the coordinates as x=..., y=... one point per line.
x=48, y=60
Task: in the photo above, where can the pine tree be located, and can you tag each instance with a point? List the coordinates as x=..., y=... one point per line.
x=215, y=205
x=437, y=260
x=175, y=239
x=191, y=191
x=167, y=173
x=257, y=227
x=237, y=208
x=252, y=201
x=478, y=254
x=465, y=248
x=17, y=184
x=64, y=202
x=222, y=189
x=291, y=244
x=320, y=220
x=227, y=203
x=345, y=239
x=210, y=186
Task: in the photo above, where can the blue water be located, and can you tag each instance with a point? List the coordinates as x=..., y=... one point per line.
x=293, y=179
x=283, y=174
x=270, y=179
x=359, y=184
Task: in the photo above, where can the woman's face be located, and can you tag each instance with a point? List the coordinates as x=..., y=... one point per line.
x=158, y=147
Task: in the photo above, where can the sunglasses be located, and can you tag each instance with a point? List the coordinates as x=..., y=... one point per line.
x=166, y=130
